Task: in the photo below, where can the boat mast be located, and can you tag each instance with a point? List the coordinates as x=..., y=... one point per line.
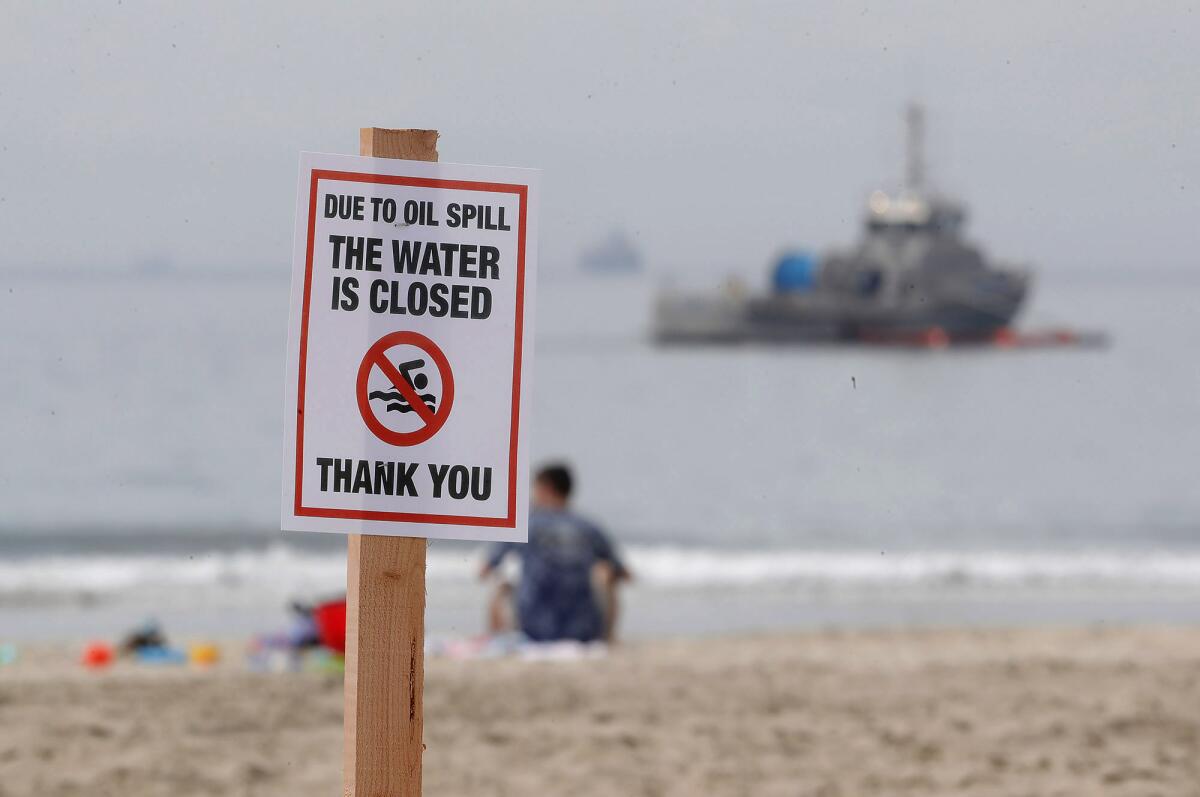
x=914, y=171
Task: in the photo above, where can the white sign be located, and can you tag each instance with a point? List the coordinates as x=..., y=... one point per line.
x=410, y=349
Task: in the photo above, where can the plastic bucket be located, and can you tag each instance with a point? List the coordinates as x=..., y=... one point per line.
x=330, y=619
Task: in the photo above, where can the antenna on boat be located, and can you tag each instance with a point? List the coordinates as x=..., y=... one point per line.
x=914, y=167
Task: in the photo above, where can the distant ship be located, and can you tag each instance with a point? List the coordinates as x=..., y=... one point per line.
x=616, y=254
x=911, y=274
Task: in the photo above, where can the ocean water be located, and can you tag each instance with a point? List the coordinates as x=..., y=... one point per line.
x=749, y=487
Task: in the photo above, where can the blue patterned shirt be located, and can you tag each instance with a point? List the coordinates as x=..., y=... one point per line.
x=555, y=598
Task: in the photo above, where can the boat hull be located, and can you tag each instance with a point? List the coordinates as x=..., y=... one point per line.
x=681, y=319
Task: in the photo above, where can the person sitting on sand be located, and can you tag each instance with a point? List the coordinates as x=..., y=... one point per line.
x=569, y=571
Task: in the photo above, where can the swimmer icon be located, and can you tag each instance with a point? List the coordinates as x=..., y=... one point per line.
x=397, y=401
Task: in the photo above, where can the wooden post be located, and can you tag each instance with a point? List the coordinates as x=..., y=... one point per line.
x=385, y=614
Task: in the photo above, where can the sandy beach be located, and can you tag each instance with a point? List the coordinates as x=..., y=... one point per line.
x=1109, y=711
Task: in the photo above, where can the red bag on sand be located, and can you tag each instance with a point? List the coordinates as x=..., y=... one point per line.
x=330, y=619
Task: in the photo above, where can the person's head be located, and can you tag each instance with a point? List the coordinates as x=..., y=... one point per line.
x=552, y=486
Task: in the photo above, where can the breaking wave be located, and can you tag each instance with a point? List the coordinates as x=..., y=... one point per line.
x=276, y=573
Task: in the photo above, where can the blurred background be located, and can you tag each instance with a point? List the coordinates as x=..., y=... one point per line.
x=147, y=175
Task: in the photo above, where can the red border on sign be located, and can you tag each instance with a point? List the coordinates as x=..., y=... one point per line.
x=522, y=192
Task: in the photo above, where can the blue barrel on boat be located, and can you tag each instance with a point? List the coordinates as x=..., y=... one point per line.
x=795, y=271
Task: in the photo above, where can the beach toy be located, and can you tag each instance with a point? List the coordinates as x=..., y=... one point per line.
x=8, y=654
x=204, y=654
x=147, y=635
x=325, y=661
x=273, y=660
x=331, y=625
x=97, y=655
x=160, y=655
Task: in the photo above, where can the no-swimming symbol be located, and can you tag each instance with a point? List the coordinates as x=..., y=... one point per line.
x=404, y=393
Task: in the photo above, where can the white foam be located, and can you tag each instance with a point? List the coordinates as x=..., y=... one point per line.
x=280, y=572
x=686, y=567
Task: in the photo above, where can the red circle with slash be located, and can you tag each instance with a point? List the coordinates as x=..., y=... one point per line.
x=376, y=357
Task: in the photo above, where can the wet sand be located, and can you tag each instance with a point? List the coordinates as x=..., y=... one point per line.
x=1042, y=712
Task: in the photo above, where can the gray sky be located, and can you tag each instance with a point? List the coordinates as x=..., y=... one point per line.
x=715, y=133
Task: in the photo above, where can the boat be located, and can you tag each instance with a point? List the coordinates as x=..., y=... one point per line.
x=912, y=276
x=614, y=255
